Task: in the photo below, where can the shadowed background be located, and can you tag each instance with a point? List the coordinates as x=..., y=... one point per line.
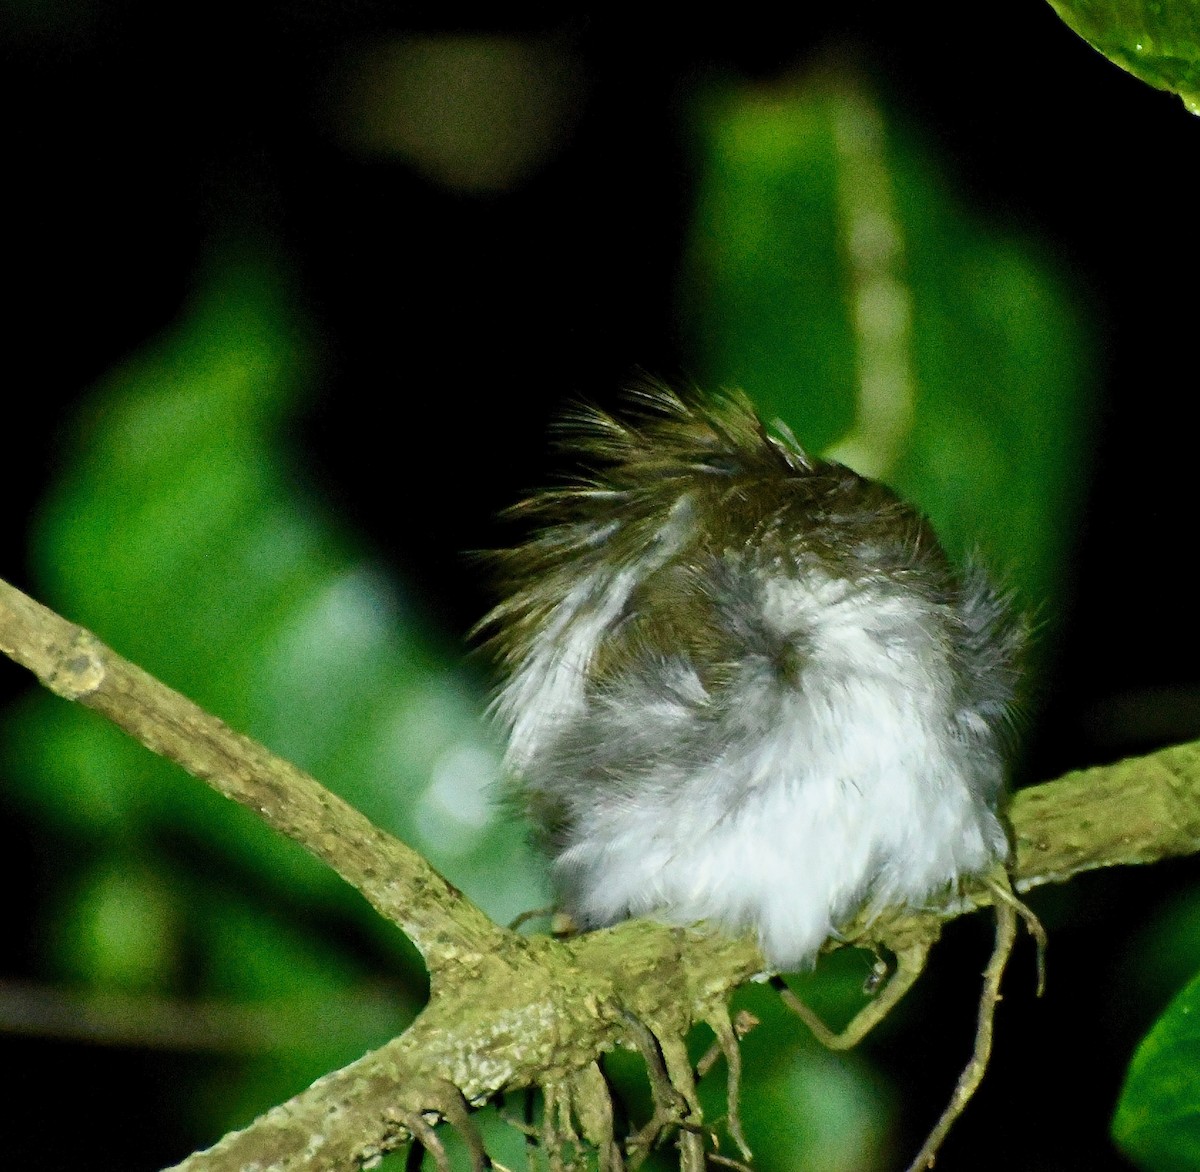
x=295, y=293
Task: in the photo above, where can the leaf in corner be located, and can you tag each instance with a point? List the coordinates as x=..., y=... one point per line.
x=1157, y=1122
x=1157, y=41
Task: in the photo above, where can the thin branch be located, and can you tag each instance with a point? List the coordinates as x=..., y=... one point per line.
x=910, y=964
x=727, y=1041
x=456, y=1111
x=424, y=1135
x=1140, y=810
x=397, y=881
x=972, y=1075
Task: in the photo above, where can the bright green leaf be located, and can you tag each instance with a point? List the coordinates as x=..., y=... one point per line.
x=1155, y=40
x=1158, y=1115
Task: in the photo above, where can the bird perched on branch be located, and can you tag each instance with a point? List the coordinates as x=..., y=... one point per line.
x=745, y=686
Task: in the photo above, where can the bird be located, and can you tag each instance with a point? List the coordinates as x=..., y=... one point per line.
x=745, y=687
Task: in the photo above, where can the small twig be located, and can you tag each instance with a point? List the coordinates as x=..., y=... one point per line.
x=669, y=1105
x=973, y=1072
x=728, y=1162
x=719, y=1023
x=566, y=1123
x=591, y=1102
x=456, y=1112
x=708, y=1060
x=537, y=913
x=679, y=1071
x=910, y=963
x=1002, y=890
x=552, y=1142
x=529, y=1133
x=426, y=1137
x=743, y=1022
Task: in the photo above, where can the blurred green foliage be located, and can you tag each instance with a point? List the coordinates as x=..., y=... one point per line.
x=833, y=276
x=184, y=533
x=1155, y=40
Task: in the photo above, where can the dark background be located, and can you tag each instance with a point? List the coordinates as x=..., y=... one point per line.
x=455, y=325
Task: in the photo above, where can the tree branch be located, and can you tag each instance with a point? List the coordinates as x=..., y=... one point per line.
x=1139, y=810
x=507, y=1011
x=398, y=882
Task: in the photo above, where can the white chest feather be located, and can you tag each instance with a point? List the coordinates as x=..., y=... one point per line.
x=845, y=787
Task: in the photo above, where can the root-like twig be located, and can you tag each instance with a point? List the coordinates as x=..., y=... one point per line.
x=591, y=1103
x=727, y=1040
x=457, y=1113
x=1002, y=890
x=679, y=1071
x=910, y=963
x=728, y=1162
x=525, y=1124
x=670, y=1107
x=552, y=1139
x=537, y=913
x=425, y=1139
x=972, y=1075
x=743, y=1022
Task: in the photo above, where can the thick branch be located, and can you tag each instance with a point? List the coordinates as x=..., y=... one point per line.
x=552, y=1009
x=400, y=884
x=510, y=1012
x=518, y=1019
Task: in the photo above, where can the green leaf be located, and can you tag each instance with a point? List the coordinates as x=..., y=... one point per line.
x=183, y=531
x=833, y=275
x=1155, y=40
x=1158, y=1115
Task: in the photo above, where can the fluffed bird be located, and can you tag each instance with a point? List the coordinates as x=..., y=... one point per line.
x=745, y=686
